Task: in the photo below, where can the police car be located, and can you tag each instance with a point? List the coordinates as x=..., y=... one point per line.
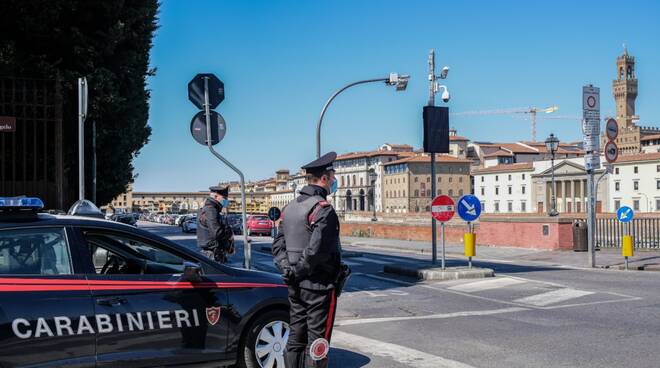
x=84, y=292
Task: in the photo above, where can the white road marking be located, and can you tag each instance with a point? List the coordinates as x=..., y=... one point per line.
x=553, y=297
x=430, y=316
x=398, y=353
x=496, y=283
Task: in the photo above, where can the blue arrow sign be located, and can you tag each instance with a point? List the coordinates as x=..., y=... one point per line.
x=469, y=207
x=625, y=214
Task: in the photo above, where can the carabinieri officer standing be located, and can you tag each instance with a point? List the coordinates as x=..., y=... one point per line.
x=308, y=253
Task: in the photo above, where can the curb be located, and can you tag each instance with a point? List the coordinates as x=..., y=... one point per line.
x=438, y=274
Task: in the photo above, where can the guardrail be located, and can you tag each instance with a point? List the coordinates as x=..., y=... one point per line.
x=645, y=232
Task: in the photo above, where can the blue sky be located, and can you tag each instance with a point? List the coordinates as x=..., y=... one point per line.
x=281, y=60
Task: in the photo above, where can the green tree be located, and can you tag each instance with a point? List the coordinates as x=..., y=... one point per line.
x=106, y=41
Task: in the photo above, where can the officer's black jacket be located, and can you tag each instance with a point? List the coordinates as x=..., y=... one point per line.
x=319, y=264
x=212, y=227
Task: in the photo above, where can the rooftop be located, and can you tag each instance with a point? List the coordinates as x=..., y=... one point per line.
x=653, y=156
x=524, y=166
x=499, y=153
x=353, y=155
x=427, y=159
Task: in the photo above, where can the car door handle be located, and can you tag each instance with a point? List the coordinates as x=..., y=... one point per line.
x=111, y=302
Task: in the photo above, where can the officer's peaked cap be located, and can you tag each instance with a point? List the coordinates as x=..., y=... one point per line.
x=321, y=164
x=221, y=189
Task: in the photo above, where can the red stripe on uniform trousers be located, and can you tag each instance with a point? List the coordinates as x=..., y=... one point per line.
x=331, y=314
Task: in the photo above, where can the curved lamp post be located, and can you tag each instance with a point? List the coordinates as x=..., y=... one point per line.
x=400, y=81
x=373, y=177
x=552, y=143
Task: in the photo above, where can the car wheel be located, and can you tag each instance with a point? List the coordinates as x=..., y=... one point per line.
x=266, y=339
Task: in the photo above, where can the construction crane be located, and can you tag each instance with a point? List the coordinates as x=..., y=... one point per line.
x=531, y=111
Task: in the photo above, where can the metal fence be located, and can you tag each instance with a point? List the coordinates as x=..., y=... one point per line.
x=645, y=232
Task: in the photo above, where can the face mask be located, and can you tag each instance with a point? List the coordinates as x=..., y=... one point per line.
x=333, y=186
x=224, y=203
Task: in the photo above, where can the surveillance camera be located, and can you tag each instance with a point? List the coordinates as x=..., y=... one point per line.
x=445, y=96
x=444, y=72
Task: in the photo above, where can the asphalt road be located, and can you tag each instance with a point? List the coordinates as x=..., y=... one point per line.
x=527, y=316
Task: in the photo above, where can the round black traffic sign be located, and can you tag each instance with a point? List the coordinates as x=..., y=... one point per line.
x=611, y=129
x=274, y=213
x=196, y=90
x=611, y=152
x=198, y=128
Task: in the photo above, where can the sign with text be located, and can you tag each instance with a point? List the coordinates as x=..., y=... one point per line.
x=7, y=124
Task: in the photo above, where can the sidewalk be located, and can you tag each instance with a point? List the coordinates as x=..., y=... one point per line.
x=605, y=258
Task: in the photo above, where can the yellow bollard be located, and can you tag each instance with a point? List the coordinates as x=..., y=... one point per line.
x=469, y=240
x=627, y=246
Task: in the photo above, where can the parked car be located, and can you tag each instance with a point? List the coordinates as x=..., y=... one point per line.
x=235, y=221
x=93, y=291
x=185, y=218
x=259, y=224
x=189, y=225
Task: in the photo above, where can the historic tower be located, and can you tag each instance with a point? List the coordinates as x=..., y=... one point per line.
x=624, y=89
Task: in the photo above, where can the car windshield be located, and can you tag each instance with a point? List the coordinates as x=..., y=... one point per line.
x=261, y=218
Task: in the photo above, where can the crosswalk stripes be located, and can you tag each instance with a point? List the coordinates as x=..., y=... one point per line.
x=488, y=284
x=553, y=297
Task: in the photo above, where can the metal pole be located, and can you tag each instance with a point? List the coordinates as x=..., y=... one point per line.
x=442, y=237
x=554, y=198
x=247, y=247
x=325, y=107
x=591, y=216
x=434, y=235
x=94, y=162
x=81, y=139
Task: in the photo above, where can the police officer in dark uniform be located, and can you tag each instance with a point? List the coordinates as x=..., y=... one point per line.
x=214, y=235
x=308, y=253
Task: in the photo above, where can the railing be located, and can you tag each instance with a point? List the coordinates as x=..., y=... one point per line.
x=645, y=232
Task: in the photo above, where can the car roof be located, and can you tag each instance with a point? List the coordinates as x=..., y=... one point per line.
x=44, y=219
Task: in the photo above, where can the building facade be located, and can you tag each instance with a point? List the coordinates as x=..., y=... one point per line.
x=635, y=182
x=505, y=188
x=359, y=176
x=407, y=182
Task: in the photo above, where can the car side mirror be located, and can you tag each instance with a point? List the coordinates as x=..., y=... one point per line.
x=192, y=272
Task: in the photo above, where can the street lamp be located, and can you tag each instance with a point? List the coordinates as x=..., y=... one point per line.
x=372, y=177
x=395, y=79
x=552, y=143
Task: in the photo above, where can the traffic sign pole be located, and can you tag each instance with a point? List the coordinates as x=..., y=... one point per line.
x=591, y=132
x=247, y=247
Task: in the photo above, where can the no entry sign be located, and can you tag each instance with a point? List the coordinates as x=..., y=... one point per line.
x=443, y=208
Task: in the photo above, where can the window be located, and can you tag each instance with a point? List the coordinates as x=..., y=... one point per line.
x=522, y=189
x=617, y=204
x=428, y=192
x=635, y=170
x=361, y=181
x=483, y=191
x=636, y=185
x=636, y=205
x=496, y=178
x=509, y=176
x=42, y=251
x=657, y=204
x=510, y=190
x=523, y=206
x=114, y=253
x=460, y=179
x=657, y=168
x=428, y=179
x=523, y=176
x=657, y=184
x=416, y=193
x=497, y=206
x=482, y=179
x=416, y=179
x=617, y=186
x=483, y=206
x=616, y=171
x=509, y=206
x=450, y=179
x=460, y=192
x=497, y=190
x=451, y=192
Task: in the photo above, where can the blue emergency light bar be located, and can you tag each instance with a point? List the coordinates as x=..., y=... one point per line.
x=21, y=203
